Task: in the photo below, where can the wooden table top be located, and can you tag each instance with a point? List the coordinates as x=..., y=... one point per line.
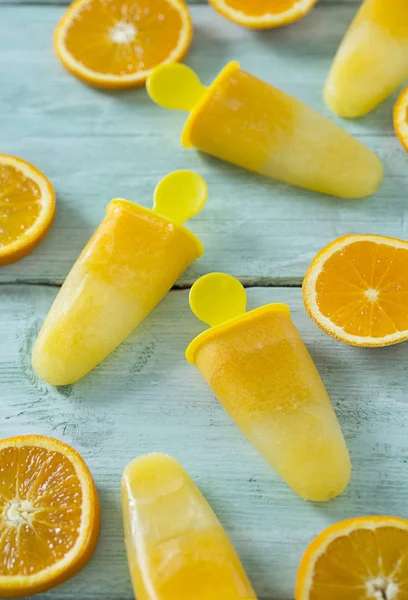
x=96, y=145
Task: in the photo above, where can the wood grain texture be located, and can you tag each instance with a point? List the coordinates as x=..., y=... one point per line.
x=146, y=397
x=59, y=2
x=96, y=145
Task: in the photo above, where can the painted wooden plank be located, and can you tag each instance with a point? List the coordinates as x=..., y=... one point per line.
x=96, y=145
x=57, y=2
x=146, y=397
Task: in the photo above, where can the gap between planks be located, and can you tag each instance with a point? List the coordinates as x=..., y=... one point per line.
x=193, y=2
x=247, y=282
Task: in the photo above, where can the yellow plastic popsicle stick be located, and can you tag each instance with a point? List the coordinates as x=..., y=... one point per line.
x=175, y=86
x=180, y=195
x=217, y=297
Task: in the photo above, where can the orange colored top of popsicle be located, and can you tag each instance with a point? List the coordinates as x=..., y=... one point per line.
x=177, y=87
x=219, y=300
x=177, y=197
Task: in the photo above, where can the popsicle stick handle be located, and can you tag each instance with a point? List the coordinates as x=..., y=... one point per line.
x=180, y=195
x=217, y=297
x=175, y=86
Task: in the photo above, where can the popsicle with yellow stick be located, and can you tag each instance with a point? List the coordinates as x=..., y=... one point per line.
x=260, y=370
x=176, y=547
x=372, y=60
x=246, y=121
x=129, y=264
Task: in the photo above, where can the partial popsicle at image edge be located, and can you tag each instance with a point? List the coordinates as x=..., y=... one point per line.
x=133, y=259
x=248, y=122
x=372, y=60
x=177, y=549
x=263, y=375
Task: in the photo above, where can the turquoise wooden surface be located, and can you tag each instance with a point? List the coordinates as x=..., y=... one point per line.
x=146, y=397
x=342, y=2
x=95, y=145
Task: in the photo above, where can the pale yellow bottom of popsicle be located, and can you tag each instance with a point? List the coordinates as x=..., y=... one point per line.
x=127, y=267
x=250, y=123
x=302, y=442
x=177, y=549
x=369, y=66
x=260, y=370
x=318, y=155
x=88, y=308
x=320, y=469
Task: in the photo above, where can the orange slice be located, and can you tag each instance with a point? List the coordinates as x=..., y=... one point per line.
x=358, y=559
x=356, y=290
x=117, y=43
x=263, y=14
x=401, y=118
x=49, y=514
x=27, y=207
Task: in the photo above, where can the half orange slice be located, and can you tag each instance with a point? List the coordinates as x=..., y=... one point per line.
x=117, y=43
x=401, y=118
x=263, y=14
x=27, y=208
x=356, y=290
x=49, y=514
x=358, y=559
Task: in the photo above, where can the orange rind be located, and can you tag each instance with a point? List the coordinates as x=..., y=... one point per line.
x=263, y=14
x=117, y=43
x=401, y=118
x=27, y=208
x=49, y=514
x=362, y=558
x=356, y=290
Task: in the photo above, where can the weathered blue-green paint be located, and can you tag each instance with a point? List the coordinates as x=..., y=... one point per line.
x=147, y=397
x=58, y=2
x=96, y=145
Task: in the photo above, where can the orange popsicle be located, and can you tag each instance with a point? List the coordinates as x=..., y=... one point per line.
x=127, y=267
x=372, y=60
x=248, y=122
x=176, y=547
x=260, y=370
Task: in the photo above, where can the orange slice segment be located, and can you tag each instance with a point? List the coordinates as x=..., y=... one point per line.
x=358, y=559
x=356, y=290
x=401, y=118
x=117, y=43
x=27, y=208
x=49, y=514
x=263, y=14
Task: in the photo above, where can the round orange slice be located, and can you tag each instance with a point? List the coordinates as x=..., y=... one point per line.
x=358, y=559
x=401, y=118
x=263, y=14
x=49, y=514
x=356, y=290
x=117, y=43
x=27, y=207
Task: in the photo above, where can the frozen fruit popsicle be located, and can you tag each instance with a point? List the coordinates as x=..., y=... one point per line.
x=129, y=264
x=176, y=547
x=372, y=60
x=252, y=124
x=260, y=370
